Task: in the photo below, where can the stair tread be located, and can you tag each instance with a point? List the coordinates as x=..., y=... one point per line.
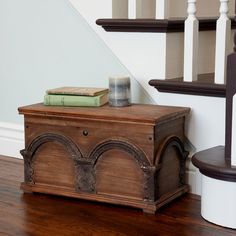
x=204, y=86
x=156, y=25
x=212, y=163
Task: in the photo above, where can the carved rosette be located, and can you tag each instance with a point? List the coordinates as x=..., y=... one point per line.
x=86, y=180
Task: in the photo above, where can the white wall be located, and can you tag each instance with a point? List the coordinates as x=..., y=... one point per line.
x=142, y=53
x=45, y=44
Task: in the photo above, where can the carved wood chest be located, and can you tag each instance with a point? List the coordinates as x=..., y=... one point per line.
x=129, y=156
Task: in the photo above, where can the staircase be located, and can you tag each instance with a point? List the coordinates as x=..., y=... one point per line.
x=147, y=36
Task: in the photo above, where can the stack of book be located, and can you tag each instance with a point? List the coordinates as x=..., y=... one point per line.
x=76, y=96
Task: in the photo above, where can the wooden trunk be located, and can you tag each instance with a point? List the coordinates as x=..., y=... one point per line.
x=130, y=156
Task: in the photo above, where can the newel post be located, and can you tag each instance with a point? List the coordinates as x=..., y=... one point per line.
x=230, y=139
x=223, y=30
x=191, y=43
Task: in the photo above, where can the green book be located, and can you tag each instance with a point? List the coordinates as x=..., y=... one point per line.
x=73, y=100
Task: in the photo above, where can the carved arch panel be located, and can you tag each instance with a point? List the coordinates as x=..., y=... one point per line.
x=170, y=161
x=123, y=163
x=63, y=159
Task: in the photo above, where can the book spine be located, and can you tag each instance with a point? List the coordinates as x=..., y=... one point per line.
x=65, y=100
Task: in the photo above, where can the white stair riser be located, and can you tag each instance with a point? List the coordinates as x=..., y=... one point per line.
x=218, y=202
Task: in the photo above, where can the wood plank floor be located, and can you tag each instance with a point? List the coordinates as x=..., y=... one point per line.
x=37, y=214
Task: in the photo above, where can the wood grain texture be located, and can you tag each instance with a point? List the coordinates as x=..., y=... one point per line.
x=115, y=155
x=108, y=172
x=46, y=215
x=137, y=113
x=53, y=166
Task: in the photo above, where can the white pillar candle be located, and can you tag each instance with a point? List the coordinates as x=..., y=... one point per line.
x=119, y=91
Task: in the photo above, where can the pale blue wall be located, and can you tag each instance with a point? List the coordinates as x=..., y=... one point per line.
x=46, y=44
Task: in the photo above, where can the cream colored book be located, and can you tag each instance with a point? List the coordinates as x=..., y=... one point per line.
x=80, y=91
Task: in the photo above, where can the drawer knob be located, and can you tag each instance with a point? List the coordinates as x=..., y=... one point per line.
x=85, y=132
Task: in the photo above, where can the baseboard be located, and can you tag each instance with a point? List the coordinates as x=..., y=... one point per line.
x=193, y=177
x=11, y=139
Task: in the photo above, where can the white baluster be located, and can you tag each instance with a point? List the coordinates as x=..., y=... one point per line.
x=146, y=9
x=132, y=9
x=162, y=9
x=191, y=43
x=223, y=30
x=120, y=9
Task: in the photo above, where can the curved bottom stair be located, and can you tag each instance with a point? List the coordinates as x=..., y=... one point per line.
x=218, y=186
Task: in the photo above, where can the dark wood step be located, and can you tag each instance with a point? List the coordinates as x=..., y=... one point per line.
x=204, y=86
x=212, y=163
x=156, y=26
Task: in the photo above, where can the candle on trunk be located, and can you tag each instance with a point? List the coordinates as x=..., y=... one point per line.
x=119, y=91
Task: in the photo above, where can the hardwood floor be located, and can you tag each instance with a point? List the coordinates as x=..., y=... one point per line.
x=37, y=214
